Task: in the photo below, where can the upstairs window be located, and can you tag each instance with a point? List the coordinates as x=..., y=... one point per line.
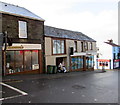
x=58, y=46
x=22, y=29
x=75, y=46
x=86, y=46
x=82, y=46
x=91, y=46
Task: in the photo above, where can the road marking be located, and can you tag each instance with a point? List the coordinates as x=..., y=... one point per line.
x=10, y=97
x=13, y=88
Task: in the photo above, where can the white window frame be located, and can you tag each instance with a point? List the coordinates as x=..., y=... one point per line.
x=22, y=29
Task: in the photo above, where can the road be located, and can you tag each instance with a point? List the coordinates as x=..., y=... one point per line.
x=73, y=87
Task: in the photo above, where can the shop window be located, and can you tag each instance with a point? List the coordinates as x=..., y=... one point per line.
x=19, y=61
x=89, y=62
x=58, y=46
x=35, y=64
x=10, y=61
x=27, y=60
x=22, y=29
x=76, y=63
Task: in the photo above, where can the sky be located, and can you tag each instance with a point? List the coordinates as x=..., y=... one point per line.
x=96, y=18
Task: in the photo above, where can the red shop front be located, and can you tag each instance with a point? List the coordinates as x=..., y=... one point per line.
x=106, y=63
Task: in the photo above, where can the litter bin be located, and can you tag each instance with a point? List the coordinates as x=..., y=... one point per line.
x=54, y=69
x=49, y=69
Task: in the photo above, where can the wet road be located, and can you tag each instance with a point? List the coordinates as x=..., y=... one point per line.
x=74, y=87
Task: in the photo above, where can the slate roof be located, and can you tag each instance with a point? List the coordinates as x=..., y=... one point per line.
x=17, y=11
x=67, y=34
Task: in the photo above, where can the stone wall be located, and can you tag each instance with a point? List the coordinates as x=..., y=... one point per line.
x=35, y=31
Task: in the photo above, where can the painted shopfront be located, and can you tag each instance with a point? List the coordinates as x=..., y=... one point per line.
x=116, y=57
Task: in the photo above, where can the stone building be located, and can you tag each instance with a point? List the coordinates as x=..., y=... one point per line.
x=23, y=45
x=75, y=49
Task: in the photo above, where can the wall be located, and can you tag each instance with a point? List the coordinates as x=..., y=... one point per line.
x=1, y=40
x=51, y=59
x=35, y=31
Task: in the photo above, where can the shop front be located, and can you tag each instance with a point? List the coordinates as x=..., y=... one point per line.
x=104, y=63
x=77, y=63
x=82, y=63
x=89, y=62
x=22, y=59
x=116, y=64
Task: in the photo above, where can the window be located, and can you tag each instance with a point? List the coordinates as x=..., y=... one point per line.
x=82, y=46
x=91, y=47
x=76, y=63
x=118, y=55
x=89, y=62
x=22, y=29
x=75, y=46
x=58, y=46
x=86, y=46
x=119, y=49
x=115, y=56
x=19, y=61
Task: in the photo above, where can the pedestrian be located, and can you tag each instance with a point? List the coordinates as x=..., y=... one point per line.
x=63, y=67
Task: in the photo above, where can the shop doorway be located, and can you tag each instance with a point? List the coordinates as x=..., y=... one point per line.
x=61, y=60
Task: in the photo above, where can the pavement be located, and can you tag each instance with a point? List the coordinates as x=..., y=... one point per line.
x=74, y=87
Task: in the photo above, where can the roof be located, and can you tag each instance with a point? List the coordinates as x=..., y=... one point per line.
x=18, y=11
x=112, y=44
x=67, y=34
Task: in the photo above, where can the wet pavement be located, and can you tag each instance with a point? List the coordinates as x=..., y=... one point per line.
x=73, y=87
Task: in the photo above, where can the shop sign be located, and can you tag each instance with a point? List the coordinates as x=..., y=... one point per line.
x=24, y=46
x=14, y=47
x=117, y=60
x=116, y=64
x=103, y=60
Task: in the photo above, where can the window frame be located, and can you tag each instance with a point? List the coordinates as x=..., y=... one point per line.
x=75, y=46
x=60, y=46
x=23, y=61
x=91, y=46
x=82, y=46
x=86, y=46
x=21, y=22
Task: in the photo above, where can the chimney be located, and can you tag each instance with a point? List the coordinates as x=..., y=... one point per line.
x=111, y=41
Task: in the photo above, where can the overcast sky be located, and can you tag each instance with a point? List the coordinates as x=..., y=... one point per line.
x=95, y=18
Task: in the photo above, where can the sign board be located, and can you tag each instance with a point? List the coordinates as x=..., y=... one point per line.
x=24, y=47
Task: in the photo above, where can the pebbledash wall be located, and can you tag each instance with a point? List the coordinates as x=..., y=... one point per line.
x=79, y=60
x=22, y=54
